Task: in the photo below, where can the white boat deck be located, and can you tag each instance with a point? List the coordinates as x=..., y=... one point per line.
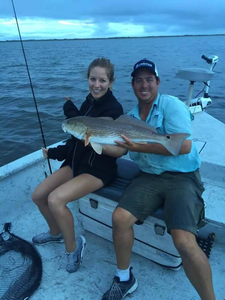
x=18, y=181
x=209, y=135
x=99, y=265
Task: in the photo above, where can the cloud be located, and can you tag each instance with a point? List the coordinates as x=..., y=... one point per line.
x=108, y=18
x=128, y=29
x=44, y=28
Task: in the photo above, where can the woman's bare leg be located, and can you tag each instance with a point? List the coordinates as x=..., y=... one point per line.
x=42, y=191
x=67, y=192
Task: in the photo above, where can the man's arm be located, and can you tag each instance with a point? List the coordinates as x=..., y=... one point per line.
x=176, y=119
x=153, y=148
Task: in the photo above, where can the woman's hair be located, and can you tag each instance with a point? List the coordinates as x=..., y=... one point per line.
x=103, y=63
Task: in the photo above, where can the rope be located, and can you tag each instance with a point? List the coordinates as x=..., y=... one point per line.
x=31, y=85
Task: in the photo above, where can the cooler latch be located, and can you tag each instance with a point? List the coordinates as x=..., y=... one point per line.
x=160, y=229
x=94, y=203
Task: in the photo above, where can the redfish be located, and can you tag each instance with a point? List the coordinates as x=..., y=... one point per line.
x=100, y=131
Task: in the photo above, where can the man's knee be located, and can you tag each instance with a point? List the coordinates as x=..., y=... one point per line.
x=122, y=218
x=184, y=241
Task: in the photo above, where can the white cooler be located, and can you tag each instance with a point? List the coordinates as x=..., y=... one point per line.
x=151, y=238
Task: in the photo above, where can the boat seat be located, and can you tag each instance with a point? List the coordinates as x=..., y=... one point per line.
x=126, y=171
x=195, y=74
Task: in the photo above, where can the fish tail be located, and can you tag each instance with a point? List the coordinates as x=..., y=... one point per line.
x=174, y=142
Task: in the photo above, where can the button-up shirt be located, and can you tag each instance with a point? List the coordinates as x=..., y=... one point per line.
x=167, y=115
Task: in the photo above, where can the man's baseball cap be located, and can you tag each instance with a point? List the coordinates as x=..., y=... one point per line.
x=145, y=63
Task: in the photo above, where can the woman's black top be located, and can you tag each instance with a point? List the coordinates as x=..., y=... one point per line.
x=84, y=159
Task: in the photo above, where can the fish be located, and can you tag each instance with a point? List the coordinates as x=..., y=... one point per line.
x=105, y=131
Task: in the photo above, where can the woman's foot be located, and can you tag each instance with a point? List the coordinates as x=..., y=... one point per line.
x=74, y=259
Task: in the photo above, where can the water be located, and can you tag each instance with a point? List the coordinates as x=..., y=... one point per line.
x=58, y=69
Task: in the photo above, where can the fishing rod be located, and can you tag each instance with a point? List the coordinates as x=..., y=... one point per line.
x=31, y=85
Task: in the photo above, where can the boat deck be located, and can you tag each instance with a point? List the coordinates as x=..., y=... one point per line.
x=18, y=180
x=99, y=265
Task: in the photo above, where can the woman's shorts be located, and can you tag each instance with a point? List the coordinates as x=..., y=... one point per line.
x=105, y=177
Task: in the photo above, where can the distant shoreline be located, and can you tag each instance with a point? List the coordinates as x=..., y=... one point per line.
x=116, y=38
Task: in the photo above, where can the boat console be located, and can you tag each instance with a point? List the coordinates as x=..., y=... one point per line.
x=195, y=74
x=199, y=75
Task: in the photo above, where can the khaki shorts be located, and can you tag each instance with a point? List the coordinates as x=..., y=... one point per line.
x=179, y=194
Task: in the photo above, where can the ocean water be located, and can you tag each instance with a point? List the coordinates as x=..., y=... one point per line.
x=58, y=69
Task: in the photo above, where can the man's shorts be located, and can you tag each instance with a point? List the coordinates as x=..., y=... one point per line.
x=179, y=193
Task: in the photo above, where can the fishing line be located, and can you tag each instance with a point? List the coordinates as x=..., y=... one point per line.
x=31, y=85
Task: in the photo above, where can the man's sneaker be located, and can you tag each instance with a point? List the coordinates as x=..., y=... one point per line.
x=120, y=289
x=74, y=259
x=47, y=237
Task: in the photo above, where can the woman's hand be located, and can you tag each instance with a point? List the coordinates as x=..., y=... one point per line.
x=45, y=152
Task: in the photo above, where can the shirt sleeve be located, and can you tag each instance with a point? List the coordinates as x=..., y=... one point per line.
x=70, y=110
x=61, y=152
x=177, y=118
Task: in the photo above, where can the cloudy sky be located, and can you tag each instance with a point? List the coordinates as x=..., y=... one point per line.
x=44, y=19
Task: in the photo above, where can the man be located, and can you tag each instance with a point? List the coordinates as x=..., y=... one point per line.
x=172, y=181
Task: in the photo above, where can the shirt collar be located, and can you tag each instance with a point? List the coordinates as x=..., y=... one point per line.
x=101, y=100
x=156, y=102
x=135, y=111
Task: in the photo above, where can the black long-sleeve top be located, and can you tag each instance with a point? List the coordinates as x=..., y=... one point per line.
x=75, y=154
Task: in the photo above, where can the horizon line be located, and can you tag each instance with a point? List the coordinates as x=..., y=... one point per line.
x=105, y=38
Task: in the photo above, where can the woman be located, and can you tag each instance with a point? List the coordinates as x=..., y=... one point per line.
x=83, y=170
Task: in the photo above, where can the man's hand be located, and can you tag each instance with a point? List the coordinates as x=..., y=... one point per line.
x=127, y=144
x=45, y=152
x=67, y=98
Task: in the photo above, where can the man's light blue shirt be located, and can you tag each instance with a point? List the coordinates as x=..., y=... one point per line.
x=167, y=115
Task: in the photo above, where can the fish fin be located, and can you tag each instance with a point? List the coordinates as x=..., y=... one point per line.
x=86, y=142
x=96, y=147
x=174, y=142
x=125, y=118
x=107, y=118
x=133, y=121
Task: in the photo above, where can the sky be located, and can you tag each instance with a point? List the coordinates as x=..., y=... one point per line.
x=69, y=19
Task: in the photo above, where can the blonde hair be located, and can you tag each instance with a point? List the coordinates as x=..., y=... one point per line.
x=103, y=63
